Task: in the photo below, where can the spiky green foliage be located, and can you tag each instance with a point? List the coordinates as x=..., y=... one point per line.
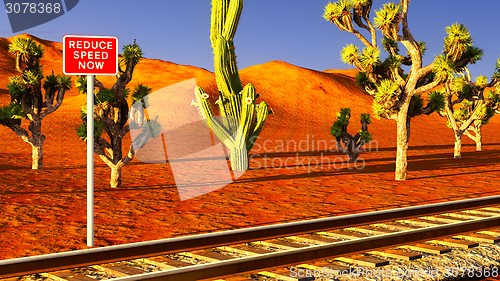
x=33, y=96
x=494, y=97
x=496, y=76
x=16, y=88
x=473, y=54
x=340, y=125
x=52, y=81
x=366, y=118
x=81, y=131
x=457, y=85
x=380, y=111
x=374, y=72
x=365, y=136
x=81, y=84
x=492, y=103
x=422, y=46
x=437, y=101
x=443, y=68
x=363, y=80
x=350, y=54
x=370, y=57
x=457, y=42
x=416, y=106
x=387, y=93
x=393, y=63
x=111, y=116
x=390, y=45
x=468, y=105
x=20, y=45
x=333, y=11
x=399, y=99
x=104, y=96
x=132, y=53
x=27, y=52
x=140, y=92
x=387, y=20
x=242, y=118
x=347, y=143
x=482, y=81
x=11, y=112
x=32, y=77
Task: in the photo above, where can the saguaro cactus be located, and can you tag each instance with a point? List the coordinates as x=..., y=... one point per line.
x=347, y=143
x=241, y=118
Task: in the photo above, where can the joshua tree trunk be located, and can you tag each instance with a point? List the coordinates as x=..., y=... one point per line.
x=479, y=137
x=353, y=156
x=352, y=150
x=116, y=168
x=37, y=144
x=116, y=176
x=403, y=133
x=36, y=157
x=479, y=144
x=458, y=145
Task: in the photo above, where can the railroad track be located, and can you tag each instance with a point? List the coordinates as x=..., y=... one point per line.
x=263, y=252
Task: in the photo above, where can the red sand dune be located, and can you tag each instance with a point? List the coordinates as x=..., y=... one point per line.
x=293, y=174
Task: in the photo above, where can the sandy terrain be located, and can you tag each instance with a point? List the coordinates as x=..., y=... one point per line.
x=295, y=171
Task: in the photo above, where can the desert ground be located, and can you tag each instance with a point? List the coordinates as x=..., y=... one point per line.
x=295, y=172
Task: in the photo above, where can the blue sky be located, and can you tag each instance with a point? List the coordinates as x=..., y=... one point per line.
x=289, y=30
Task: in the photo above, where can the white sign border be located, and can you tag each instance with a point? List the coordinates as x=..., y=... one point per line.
x=90, y=36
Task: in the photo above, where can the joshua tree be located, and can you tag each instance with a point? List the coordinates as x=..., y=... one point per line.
x=28, y=100
x=467, y=108
x=347, y=143
x=396, y=93
x=111, y=113
x=242, y=118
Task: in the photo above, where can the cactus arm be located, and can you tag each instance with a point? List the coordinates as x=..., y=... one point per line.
x=208, y=117
x=262, y=114
x=247, y=116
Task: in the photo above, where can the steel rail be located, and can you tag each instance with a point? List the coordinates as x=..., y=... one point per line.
x=81, y=258
x=313, y=253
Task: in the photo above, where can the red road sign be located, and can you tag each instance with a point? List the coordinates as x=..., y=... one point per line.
x=90, y=55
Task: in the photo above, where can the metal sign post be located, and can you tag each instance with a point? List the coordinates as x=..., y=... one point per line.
x=90, y=160
x=90, y=55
